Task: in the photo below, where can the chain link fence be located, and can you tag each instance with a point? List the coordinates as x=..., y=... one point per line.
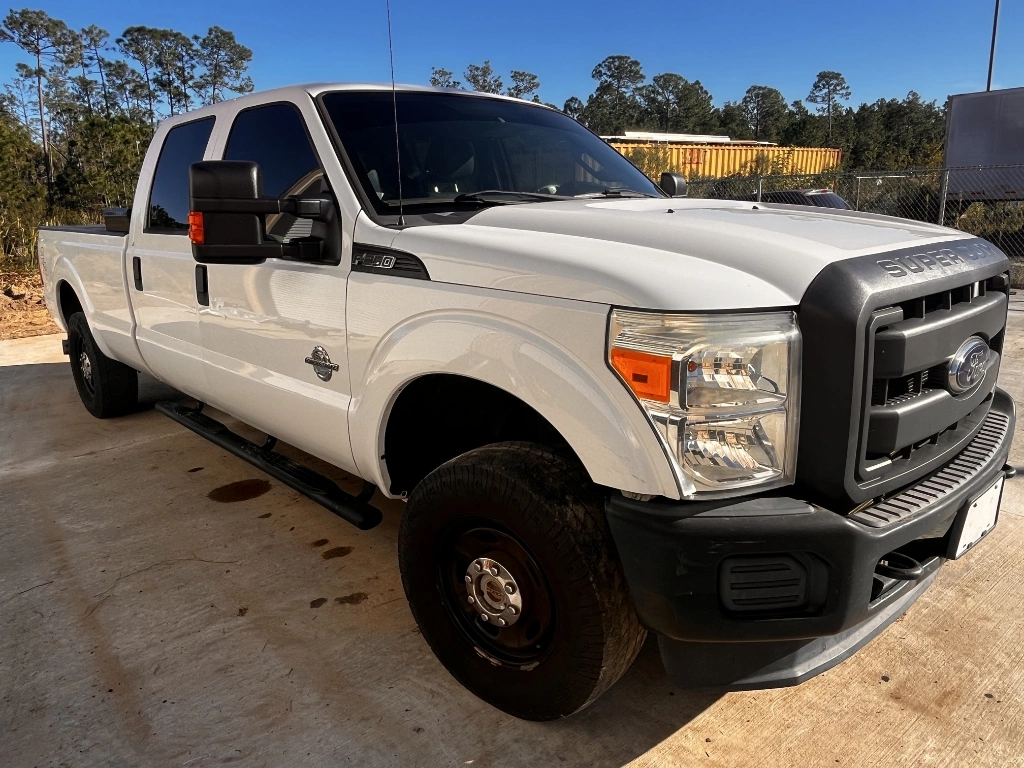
x=987, y=201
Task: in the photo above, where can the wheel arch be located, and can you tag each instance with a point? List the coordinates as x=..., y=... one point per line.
x=67, y=301
x=576, y=402
x=462, y=414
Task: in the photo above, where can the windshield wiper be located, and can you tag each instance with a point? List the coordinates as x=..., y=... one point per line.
x=494, y=197
x=616, y=193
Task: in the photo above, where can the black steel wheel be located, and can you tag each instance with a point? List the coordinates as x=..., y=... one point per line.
x=107, y=388
x=495, y=591
x=512, y=576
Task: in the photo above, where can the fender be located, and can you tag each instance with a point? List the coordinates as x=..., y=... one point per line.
x=576, y=393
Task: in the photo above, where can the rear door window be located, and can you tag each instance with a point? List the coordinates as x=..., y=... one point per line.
x=168, y=199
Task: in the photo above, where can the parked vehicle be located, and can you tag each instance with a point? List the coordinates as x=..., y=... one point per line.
x=754, y=431
x=821, y=198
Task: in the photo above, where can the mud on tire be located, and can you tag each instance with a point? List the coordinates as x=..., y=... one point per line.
x=536, y=519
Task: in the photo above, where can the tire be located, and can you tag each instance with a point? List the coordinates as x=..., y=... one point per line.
x=107, y=388
x=536, y=518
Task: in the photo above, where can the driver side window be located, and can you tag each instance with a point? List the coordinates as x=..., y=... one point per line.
x=275, y=137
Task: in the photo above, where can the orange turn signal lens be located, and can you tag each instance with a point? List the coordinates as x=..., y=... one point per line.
x=195, y=228
x=649, y=376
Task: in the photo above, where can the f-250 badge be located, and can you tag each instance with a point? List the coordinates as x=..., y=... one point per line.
x=321, y=362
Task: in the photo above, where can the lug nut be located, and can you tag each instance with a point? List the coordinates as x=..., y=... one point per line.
x=510, y=589
x=469, y=579
x=501, y=622
x=483, y=617
x=472, y=599
x=494, y=571
x=513, y=610
x=477, y=566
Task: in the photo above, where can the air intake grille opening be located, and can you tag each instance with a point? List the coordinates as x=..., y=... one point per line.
x=763, y=584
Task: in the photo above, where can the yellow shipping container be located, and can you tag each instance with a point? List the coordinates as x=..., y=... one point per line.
x=713, y=161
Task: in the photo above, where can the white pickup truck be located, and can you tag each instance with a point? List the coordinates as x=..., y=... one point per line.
x=755, y=430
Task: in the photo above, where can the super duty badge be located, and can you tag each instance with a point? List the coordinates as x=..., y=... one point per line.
x=948, y=256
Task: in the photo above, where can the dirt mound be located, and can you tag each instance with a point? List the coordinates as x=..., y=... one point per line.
x=22, y=309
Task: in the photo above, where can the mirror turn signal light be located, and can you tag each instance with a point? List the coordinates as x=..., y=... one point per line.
x=649, y=376
x=195, y=228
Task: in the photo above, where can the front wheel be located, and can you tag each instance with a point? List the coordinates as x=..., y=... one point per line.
x=107, y=388
x=512, y=576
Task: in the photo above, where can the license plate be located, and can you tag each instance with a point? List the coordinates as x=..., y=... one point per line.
x=980, y=518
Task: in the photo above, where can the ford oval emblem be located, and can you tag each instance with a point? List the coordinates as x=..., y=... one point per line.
x=967, y=368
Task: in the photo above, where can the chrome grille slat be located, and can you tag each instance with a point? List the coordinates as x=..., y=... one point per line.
x=961, y=470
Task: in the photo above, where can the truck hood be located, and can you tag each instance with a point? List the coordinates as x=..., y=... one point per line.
x=658, y=253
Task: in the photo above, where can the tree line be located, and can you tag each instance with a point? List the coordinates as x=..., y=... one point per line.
x=79, y=112
x=887, y=134
x=77, y=117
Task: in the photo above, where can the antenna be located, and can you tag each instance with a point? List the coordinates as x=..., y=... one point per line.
x=394, y=109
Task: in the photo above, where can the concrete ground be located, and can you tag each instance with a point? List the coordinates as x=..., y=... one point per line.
x=162, y=603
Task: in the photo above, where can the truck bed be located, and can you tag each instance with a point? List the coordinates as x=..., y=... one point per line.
x=91, y=262
x=85, y=229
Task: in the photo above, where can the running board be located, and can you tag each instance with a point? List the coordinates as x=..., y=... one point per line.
x=311, y=484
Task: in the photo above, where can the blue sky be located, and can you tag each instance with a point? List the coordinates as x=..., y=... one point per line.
x=884, y=49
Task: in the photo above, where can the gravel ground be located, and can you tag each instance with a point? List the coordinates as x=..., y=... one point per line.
x=22, y=310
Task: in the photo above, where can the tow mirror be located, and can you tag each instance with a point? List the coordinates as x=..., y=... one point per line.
x=673, y=184
x=227, y=210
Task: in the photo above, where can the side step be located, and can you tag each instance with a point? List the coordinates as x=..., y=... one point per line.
x=311, y=484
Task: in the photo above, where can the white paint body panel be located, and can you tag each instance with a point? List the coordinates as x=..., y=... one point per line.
x=92, y=264
x=166, y=311
x=550, y=353
x=264, y=320
x=519, y=298
x=705, y=255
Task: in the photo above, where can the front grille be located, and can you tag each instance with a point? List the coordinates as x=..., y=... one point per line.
x=910, y=409
x=968, y=463
x=877, y=412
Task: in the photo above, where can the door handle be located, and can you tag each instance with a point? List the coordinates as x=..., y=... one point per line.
x=202, y=286
x=137, y=272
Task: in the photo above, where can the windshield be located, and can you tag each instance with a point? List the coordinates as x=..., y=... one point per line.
x=454, y=145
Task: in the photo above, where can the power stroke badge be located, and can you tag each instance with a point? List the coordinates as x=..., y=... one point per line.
x=321, y=362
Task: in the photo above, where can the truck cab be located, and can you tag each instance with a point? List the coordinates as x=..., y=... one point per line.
x=754, y=430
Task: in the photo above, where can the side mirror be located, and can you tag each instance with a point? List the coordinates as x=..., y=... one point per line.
x=226, y=216
x=673, y=184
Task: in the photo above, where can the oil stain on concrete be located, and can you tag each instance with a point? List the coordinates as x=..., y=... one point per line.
x=354, y=599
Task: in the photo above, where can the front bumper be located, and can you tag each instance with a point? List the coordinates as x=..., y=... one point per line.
x=696, y=570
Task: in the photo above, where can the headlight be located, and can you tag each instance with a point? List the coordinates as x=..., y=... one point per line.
x=722, y=391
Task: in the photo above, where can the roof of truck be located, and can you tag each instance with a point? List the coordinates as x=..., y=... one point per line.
x=290, y=92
